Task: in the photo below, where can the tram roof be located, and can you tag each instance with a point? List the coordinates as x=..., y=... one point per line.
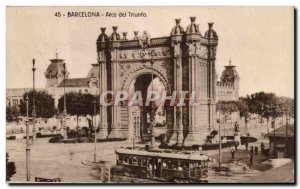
x=192, y=156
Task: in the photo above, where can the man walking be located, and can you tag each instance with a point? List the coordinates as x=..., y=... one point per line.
x=232, y=152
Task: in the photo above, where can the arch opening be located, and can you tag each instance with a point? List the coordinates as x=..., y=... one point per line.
x=140, y=117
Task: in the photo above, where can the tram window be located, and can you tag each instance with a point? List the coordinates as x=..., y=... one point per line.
x=174, y=165
x=144, y=162
x=164, y=164
x=185, y=166
x=125, y=160
x=134, y=160
x=120, y=159
x=130, y=160
x=169, y=164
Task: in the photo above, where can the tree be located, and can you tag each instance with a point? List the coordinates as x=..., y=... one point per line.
x=10, y=168
x=226, y=108
x=286, y=106
x=44, y=104
x=78, y=104
x=243, y=108
x=12, y=112
x=264, y=104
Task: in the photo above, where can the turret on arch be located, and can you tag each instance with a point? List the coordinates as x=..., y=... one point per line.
x=185, y=60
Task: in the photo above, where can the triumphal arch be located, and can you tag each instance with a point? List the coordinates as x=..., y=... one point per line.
x=183, y=61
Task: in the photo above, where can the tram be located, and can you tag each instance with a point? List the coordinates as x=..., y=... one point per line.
x=182, y=167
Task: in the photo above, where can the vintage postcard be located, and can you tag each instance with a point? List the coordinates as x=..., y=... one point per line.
x=150, y=95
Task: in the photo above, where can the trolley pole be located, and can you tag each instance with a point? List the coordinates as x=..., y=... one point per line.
x=33, y=100
x=94, y=124
x=27, y=143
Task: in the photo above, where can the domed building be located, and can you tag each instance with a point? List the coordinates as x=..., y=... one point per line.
x=228, y=86
x=56, y=81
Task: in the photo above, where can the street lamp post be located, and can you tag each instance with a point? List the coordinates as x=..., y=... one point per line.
x=64, y=73
x=286, y=134
x=33, y=100
x=220, y=143
x=65, y=106
x=262, y=111
x=94, y=124
x=27, y=143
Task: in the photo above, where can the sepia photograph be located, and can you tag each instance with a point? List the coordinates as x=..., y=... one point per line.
x=150, y=95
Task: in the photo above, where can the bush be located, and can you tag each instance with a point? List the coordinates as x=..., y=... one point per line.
x=85, y=140
x=196, y=147
x=11, y=138
x=10, y=168
x=70, y=141
x=39, y=135
x=111, y=139
x=56, y=139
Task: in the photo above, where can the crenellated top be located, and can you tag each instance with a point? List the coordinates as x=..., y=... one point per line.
x=211, y=33
x=193, y=28
x=177, y=29
x=115, y=36
x=178, y=34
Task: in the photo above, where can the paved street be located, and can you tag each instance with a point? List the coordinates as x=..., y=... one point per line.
x=283, y=174
x=65, y=161
x=59, y=160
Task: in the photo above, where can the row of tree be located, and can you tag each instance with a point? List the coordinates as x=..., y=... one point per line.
x=76, y=104
x=266, y=105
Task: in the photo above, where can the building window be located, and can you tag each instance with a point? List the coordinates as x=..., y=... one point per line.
x=15, y=102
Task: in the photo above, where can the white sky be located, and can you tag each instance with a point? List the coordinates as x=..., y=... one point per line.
x=258, y=40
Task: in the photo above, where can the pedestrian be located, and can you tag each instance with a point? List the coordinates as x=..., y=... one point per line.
x=236, y=144
x=251, y=159
x=232, y=152
x=246, y=144
x=262, y=147
x=252, y=150
x=256, y=150
x=236, y=127
x=273, y=124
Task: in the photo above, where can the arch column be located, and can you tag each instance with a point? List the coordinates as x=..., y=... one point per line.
x=177, y=130
x=115, y=110
x=103, y=132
